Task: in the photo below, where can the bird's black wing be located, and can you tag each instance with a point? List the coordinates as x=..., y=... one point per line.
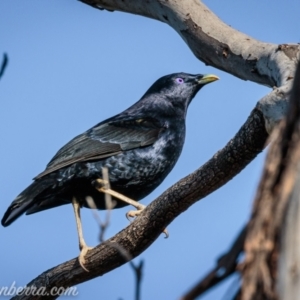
x=104, y=140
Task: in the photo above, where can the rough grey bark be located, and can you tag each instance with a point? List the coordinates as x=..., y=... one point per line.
x=265, y=242
x=221, y=46
x=289, y=261
x=140, y=234
x=288, y=281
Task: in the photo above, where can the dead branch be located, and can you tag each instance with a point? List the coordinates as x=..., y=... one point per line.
x=262, y=246
x=140, y=234
x=4, y=64
x=221, y=46
x=226, y=265
x=138, y=272
x=103, y=225
x=212, y=41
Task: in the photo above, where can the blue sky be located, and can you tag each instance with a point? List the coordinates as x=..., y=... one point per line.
x=71, y=66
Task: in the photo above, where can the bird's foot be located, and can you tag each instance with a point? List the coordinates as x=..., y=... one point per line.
x=135, y=213
x=81, y=258
x=132, y=213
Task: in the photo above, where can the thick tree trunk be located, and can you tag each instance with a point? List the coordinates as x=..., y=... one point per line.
x=265, y=242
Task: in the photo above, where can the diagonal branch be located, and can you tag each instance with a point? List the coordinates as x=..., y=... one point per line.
x=139, y=235
x=226, y=266
x=214, y=42
x=221, y=46
x=3, y=64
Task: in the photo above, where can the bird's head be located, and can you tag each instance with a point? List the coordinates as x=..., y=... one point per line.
x=179, y=88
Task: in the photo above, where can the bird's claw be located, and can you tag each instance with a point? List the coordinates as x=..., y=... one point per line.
x=135, y=213
x=165, y=231
x=81, y=257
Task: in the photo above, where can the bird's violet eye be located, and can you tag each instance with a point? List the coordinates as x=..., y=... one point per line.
x=179, y=80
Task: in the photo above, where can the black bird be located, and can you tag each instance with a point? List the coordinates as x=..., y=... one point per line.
x=139, y=147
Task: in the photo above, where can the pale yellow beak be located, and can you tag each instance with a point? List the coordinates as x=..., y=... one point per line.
x=208, y=78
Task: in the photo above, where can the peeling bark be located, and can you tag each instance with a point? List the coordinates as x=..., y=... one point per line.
x=288, y=281
x=263, y=241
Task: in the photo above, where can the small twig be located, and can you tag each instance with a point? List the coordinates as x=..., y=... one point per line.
x=140, y=234
x=237, y=295
x=4, y=64
x=109, y=204
x=226, y=265
x=138, y=271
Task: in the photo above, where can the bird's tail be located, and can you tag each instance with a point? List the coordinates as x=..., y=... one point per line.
x=26, y=200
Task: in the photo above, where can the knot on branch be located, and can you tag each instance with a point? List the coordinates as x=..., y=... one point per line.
x=290, y=50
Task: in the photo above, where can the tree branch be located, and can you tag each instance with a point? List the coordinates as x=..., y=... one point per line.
x=212, y=41
x=226, y=265
x=262, y=244
x=139, y=235
x=4, y=64
x=221, y=46
x=288, y=284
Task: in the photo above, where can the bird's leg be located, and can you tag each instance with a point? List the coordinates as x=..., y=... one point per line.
x=82, y=245
x=130, y=214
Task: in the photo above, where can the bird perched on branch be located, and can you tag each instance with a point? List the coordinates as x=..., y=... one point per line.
x=139, y=147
